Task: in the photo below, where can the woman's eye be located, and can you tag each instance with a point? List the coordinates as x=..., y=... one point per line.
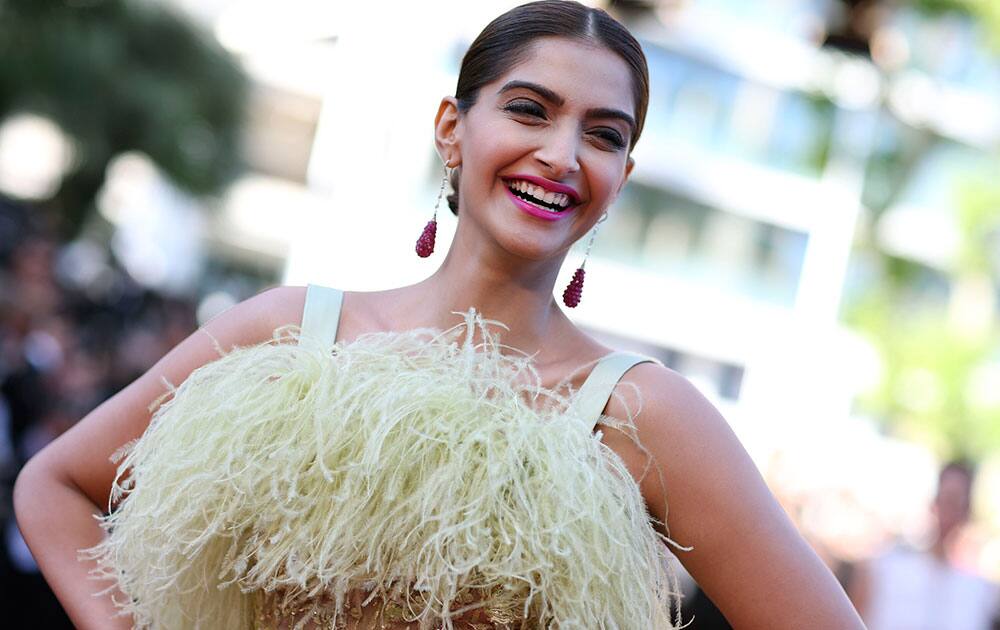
x=612, y=137
x=527, y=108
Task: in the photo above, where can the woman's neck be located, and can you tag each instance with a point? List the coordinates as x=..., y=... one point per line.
x=517, y=293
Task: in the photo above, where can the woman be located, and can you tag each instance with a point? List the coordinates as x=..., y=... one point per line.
x=550, y=101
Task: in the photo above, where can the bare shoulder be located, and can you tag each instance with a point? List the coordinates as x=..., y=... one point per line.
x=284, y=304
x=664, y=404
x=663, y=393
x=747, y=555
x=256, y=317
x=676, y=427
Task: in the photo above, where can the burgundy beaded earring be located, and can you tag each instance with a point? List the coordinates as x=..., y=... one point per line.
x=425, y=244
x=574, y=290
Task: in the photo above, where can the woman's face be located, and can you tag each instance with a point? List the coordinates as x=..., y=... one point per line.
x=544, y=150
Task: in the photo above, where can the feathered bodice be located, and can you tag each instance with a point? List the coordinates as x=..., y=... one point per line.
x=366, y=609
x=422, y=468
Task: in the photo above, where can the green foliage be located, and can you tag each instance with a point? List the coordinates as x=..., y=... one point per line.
x=979, y=221
x=120, y=76
x=932, y=386
x=926, y=390
x=825, y=111
x=987, y=12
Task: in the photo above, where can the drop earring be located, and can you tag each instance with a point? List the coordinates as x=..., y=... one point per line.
x=425, y=244
x=574, y=290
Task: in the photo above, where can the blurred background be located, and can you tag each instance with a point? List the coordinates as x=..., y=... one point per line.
x=811, y=235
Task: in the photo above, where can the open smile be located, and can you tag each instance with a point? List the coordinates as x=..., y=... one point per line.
x=541, y=198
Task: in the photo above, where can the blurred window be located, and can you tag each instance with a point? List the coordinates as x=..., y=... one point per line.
x=943, y=174
x=952, y=48
x=695, y=104
x=658, y=230
x=715, y=378
x=787, y=17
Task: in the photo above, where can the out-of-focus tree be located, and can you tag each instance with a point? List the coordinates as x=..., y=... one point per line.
x=941, y=360
x=118, y=76
x=935, y=325
x=986, y=11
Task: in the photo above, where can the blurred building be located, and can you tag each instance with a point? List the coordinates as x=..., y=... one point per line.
x=791, y=148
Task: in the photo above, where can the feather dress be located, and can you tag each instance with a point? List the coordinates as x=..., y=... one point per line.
x=426, y=470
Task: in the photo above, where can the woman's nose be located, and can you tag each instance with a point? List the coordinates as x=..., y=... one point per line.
x=559, y=152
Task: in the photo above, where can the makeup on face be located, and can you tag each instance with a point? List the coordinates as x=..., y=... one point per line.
x=607, y=113
x=555, y=135
x=540, y=197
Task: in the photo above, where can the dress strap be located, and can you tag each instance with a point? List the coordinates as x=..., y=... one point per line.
x=595, y=392
x=321, y=314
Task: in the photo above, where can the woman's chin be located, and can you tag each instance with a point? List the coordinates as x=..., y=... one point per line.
x=522, y=236
x=532, y=249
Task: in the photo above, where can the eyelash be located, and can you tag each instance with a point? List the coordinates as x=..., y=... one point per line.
x=530, y=108
x=525, y=107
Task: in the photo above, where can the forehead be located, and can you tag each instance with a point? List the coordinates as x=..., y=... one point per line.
x=583, y=73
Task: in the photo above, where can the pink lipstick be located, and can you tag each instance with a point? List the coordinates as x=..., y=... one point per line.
x=550, y=186
x=574, y=197
x=534, y=210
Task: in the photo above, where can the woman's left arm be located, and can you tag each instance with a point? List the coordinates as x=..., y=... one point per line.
x=747, y=557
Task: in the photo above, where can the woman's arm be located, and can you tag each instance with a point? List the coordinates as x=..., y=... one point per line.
x=747, y=557
x=62, y=488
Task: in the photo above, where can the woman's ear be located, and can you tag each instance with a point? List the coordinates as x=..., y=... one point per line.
x=446, y=131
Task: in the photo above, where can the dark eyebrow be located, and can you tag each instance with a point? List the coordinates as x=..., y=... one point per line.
x=542, y=91
x=606, y=112
x=549, y=95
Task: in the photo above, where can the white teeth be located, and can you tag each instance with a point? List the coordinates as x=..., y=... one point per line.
x=543, y=207
x=539, y=193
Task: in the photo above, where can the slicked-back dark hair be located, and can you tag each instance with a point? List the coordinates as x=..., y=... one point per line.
x=507, y=40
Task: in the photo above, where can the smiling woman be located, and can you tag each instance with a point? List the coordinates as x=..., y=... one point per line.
x=362, y=460
x=514, y=37
x=545, y=142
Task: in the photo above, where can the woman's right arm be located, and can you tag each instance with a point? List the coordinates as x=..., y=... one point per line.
x=62, y=488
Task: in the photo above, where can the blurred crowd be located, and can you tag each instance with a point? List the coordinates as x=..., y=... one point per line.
x=897, y=585
x=74, y=329
x=906, y=587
